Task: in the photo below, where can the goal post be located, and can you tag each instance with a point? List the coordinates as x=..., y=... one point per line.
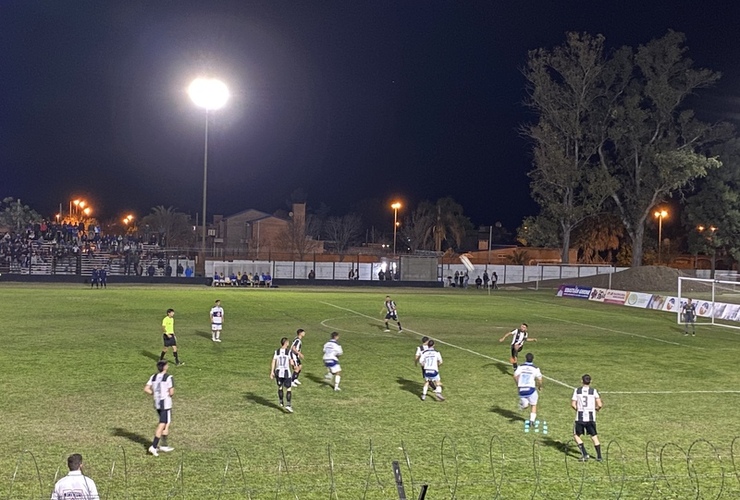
x=717, y=301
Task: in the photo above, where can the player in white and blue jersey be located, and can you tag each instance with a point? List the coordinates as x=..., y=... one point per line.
x=430, y=360
x=529, y=382
x=217, y=321
x=332, y=351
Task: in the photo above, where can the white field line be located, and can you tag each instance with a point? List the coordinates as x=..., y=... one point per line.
x=669, y=392
x=445, y=343
x=619, y=331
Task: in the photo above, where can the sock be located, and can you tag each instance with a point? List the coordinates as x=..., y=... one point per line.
x=399, y=326
x=155, y=442
x=532, y=416
x=386, y=326
x=280, y=395
x=294, y=376
x=336, y=381
x=177, y=358
x=424, y=390
x=213, y=335
x=598, y=450
x=161, y=356
x=218, y=335
x=433, y=385
x=288, y=396
x=515, y=365
x=164, y=439
x=438, y=390
x=583, y=450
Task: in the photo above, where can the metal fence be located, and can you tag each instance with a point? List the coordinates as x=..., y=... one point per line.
x=538, y=467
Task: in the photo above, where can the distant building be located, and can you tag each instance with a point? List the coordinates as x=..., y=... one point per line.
x=256, y=234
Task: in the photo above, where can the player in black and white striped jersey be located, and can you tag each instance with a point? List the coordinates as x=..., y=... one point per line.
x=586, y=402
x=518, y=338
x=281, y=371
x=295, y=351
x=162, y=387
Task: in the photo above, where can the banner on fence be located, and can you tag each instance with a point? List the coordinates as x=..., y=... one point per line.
x=637, y=299
x=574, y=291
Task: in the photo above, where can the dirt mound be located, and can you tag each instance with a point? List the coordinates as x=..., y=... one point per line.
x=635, y=279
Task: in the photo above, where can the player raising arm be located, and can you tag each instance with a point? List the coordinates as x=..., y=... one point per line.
x=518, y=338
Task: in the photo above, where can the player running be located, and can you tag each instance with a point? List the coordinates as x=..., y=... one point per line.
x=332, y=351
x=529, y=383
x=391, y=313
x=280, y=371
x=217, y=321
x=430, y=361
x=518, y=338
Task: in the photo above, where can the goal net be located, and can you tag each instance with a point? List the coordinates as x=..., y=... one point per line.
x=717, y=301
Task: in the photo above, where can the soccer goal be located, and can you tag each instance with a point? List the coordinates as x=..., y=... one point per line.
x=717, y=301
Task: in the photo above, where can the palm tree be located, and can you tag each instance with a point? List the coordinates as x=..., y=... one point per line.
x=174, y=227
x=450, y=225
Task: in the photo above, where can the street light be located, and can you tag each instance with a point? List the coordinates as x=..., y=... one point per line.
x=710, y=239
x=395, y=208
x=210, y=94
x=660, y=215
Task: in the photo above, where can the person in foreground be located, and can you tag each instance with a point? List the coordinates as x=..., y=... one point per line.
x=75, y=485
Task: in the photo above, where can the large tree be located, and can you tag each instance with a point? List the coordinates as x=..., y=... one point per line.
x=417, y=228
x=344, y=231
x=654, y=144
x=571, y=89
x=175, y=228
x=712, y=214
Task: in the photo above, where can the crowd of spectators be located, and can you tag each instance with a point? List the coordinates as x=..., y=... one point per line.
x=242, y=279
x=64, y=243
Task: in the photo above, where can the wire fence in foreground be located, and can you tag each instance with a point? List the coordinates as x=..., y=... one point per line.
x=549, y=469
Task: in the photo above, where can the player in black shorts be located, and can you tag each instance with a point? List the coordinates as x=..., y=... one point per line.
x=586, y=402
x=295, y=352
x=391, y=313
x=281, y=372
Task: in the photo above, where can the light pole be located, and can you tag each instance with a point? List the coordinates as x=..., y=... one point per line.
x=210, y=94
x=660, y=215
x=395, y=208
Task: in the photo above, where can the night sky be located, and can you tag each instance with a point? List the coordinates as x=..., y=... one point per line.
x=347, y=100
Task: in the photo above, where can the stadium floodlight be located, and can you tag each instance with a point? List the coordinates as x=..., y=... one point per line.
x=395, y=208
x=660, y=215
x=210, y=94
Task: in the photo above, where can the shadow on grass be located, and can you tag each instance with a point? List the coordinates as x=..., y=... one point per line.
x=376, y=326
x=131, y=436
x=411, y=386
x=316, y=379
x=255, y=398
x=503, y=368
x=150, y=355
x=511, y=415
x=571, y=451
x=205, y=335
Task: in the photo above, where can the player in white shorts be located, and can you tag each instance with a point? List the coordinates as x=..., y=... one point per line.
x=332, y=351
x=217, y=321
x=430, y=360
x=529, y=382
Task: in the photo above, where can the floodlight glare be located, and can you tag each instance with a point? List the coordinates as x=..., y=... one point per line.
x=208, y=93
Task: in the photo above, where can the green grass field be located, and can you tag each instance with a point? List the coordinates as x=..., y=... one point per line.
x=74, y=362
